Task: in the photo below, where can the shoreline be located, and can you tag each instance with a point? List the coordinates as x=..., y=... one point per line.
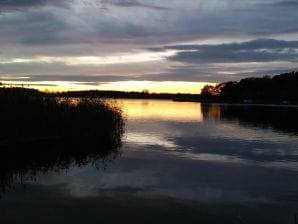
x=243, y=104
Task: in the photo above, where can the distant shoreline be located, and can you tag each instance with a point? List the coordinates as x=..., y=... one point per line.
x=179, y=97
x=246, y=104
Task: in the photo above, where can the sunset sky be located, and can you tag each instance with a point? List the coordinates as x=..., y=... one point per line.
x=131, y=45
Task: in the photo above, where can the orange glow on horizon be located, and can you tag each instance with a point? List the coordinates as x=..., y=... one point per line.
x=126, y=86
x=156, y=87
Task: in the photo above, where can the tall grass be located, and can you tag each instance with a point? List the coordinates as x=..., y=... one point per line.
x=41, y=132
x=29, y=115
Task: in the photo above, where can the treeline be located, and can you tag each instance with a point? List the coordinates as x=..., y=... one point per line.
x=278, y=89
x=127, y=95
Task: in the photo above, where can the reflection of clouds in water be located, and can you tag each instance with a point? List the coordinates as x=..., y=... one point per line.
x=234, y=130
x=183, y=158
x=245, y=152
x=226, y=151
x=229, y=159
x=213, y=140
x=162, y=174
x=150, y=139
x=166, y=119
x=229, y=130
x=209, y=157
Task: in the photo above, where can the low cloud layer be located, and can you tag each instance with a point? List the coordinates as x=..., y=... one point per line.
x=260, y=50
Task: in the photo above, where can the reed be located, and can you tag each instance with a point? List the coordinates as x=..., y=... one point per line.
x=40, y=132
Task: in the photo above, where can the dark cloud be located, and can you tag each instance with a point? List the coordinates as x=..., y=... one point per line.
x=232, y=61
x=248, y=45
x=82, y=78
x=261, y=50
x=143, y=26
x=21, y=4
x=34, y=28
x=136, y=4
x=41, y=84
x=287, y=3
x=214, y=74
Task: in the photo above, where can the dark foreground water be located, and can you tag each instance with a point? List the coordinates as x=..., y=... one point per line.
x=179, y=163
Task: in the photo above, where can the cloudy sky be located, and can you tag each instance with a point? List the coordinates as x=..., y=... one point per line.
x=160, y=45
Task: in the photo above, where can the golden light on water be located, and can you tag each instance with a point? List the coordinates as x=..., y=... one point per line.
x=158, y=109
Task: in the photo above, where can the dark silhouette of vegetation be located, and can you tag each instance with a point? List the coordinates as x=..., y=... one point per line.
x=145, y=94
x=278, y=118
x=39, y=132
x=278, y=89
x=29, y=115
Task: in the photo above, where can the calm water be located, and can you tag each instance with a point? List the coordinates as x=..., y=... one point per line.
x=179, y=163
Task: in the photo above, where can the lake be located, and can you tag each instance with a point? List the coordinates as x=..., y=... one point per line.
x=180, y=162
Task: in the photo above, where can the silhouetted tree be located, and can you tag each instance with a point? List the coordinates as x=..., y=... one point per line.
x=280, y=88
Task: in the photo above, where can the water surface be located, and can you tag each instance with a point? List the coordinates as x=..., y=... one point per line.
x=179, y=163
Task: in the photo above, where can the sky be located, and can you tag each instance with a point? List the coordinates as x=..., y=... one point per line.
x=157, y=45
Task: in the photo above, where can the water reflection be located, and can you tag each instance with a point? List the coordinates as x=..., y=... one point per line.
x=162, y=110
x=229, y=134
x=150, y=140
x=279, y=118
x=25, y=161
x=196, y=165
